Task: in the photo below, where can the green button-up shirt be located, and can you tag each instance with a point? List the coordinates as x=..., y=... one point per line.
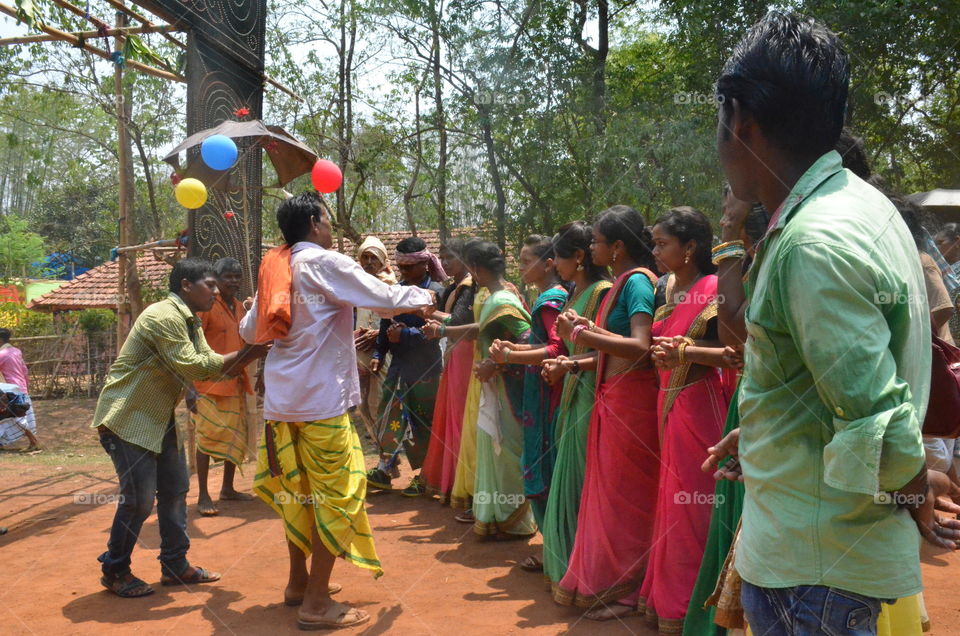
x=836, y=378
x=164, y=351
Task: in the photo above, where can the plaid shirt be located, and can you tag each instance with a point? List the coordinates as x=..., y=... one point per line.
x=164, y=351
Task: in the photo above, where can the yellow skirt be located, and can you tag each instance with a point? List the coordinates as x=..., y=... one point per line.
x=466, y=475
x=322, y=484
x=221, y=427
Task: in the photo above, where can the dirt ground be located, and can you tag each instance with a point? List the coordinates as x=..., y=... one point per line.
x=439, y=578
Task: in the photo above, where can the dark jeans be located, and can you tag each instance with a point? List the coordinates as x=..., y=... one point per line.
x=144, y=475
x=809, y=610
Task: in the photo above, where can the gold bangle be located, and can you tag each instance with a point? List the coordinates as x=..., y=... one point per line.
x=728, y=244
x=680, y=349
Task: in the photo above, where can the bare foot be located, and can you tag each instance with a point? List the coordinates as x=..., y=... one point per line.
x=206, y=506
x=235, y=495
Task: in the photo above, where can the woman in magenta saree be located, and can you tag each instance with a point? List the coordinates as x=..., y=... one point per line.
x=615, y=521
x=691, y=406
x=456, y=308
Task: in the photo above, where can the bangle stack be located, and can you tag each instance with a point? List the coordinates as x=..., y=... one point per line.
x=730, y=249
x=443, y=330
x=506, y=356
x=576, y=332
x=680, y=349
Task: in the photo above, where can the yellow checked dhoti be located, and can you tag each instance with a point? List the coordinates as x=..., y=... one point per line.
x=322, y=483
x=221, y=427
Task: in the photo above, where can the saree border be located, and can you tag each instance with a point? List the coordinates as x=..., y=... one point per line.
x=679, y=376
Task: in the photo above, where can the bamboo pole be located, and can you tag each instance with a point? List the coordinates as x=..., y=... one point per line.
x=119, y=6
x=66, y=37
x=123, y=302
x=29, y=39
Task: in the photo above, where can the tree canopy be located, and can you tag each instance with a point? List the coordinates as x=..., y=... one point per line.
x=516, y=115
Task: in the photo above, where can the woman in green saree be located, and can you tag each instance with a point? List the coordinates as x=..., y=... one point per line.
x=540, y=400
x=499, y=506
x=573, y=262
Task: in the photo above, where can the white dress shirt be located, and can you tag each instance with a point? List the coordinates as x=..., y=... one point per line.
x=312, y=373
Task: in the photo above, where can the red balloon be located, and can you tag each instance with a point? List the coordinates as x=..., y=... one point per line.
x=326, y=176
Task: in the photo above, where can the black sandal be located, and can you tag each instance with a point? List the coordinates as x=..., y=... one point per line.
x=134, y=588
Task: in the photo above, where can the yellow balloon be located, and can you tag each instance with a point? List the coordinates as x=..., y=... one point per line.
x=191, y=193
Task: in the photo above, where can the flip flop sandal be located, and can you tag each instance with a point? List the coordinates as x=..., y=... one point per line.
x=134, y=588
x=296, y=602
x=208, y=511
x=334, y=618
x=199, y=576
x=465, y=517
x=532, y=564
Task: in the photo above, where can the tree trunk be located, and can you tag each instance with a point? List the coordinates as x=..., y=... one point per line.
x=500, y=214
x=441, y=124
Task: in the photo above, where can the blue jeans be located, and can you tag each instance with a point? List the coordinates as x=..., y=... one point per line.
x=809, y=610
x=143, y=476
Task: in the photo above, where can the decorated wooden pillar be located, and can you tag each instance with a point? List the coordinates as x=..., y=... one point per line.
x=225, y=77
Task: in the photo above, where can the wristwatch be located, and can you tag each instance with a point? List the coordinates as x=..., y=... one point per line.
x=576, y=366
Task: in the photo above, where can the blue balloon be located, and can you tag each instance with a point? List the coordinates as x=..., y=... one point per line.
x=219, y=152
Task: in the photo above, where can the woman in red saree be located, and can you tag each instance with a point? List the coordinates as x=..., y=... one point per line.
x=615, y=521
x=691, y=406
x=456, y=308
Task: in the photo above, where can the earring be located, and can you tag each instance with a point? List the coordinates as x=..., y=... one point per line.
x=686, y=259
x=579, y=266
x=615, y=258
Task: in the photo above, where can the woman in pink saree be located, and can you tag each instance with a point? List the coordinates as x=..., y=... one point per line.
x=615, y=520
x=691, y=407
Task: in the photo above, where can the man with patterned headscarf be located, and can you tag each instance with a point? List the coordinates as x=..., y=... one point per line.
x=372, y=256
x=410, y=390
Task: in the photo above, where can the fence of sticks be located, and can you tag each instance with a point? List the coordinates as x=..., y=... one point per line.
x=70, y=364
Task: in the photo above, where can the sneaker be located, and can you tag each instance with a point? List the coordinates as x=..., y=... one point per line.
x=378, y=479
x=416, y=488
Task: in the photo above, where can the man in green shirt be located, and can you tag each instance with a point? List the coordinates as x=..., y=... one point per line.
x=837, y=358
x=164, y=352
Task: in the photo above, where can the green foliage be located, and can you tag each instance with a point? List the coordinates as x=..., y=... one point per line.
x=527, y=93
x=19, y=249
x=96, y=320
x=25, y=322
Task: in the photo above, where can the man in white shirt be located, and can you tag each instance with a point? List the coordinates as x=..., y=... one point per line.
x=310, y=467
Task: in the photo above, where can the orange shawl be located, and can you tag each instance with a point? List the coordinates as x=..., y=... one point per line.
x=274, y=289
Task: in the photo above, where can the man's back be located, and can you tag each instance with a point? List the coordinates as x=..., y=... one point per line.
x=834, y=388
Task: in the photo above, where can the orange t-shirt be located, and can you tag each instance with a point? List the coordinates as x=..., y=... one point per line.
x=221, y=328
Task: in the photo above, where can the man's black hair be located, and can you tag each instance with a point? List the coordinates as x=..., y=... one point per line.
x=227, y=265
x=411, y=244
x=4, y=334
x=294, y=214
x=192, y=269
x=792, y=75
